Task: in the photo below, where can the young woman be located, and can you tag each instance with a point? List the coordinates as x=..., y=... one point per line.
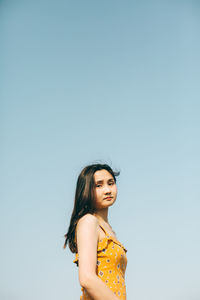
x=101, y=258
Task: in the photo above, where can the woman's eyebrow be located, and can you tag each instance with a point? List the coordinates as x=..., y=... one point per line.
x=101, y=181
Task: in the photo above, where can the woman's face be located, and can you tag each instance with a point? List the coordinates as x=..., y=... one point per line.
x=105, y=189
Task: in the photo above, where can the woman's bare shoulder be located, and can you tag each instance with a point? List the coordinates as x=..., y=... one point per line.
x=87, y=229
x=87, y=220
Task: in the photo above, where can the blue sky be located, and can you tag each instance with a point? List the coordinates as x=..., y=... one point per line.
x=100, y=81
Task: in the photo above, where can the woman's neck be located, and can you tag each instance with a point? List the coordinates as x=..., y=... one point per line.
x=102, y=215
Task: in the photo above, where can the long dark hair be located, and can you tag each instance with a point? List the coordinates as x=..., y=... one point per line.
x=84, y=199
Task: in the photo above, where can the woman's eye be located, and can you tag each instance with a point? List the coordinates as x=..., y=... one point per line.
x=98, y=185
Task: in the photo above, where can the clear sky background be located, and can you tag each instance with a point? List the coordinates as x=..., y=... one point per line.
x=100, y=81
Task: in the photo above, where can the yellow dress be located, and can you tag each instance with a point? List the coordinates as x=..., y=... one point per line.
x=111, y=266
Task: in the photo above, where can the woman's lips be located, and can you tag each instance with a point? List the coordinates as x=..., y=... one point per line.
x=108, y=198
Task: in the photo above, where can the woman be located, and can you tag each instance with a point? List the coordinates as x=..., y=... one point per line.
x=101, y=258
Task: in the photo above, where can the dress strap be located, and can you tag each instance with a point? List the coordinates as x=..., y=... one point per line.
x=115, y=240
x=107, y=235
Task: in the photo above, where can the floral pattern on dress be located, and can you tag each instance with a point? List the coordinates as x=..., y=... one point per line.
x=111, y=266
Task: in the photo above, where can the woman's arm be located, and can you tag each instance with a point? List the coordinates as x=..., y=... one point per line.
x=87, y=238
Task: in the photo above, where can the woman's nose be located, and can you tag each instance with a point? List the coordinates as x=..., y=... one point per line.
x=107, y=189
